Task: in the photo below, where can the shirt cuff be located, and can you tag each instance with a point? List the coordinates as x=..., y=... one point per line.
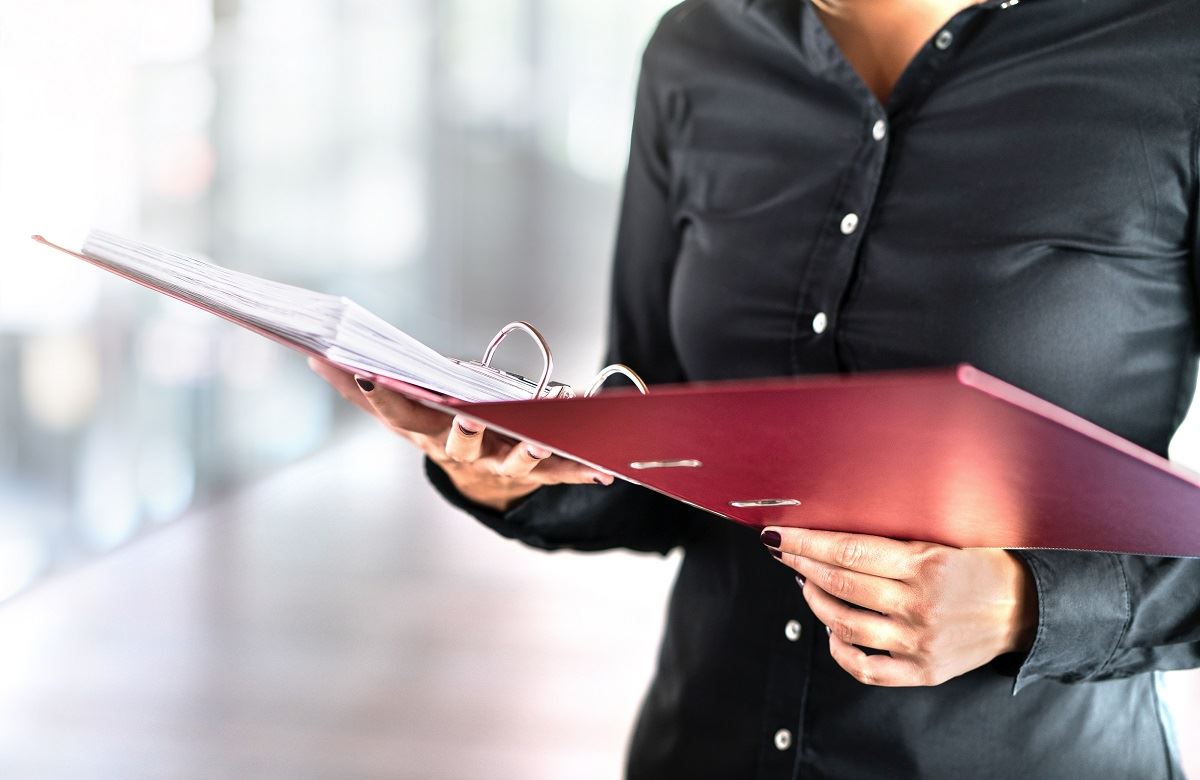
x=1083, y=614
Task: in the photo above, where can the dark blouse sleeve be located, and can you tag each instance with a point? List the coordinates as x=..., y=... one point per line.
x=1108, y=616
x=1102, y=617
x=592, y=517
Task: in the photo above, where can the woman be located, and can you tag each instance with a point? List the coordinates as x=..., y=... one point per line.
x=853, y=186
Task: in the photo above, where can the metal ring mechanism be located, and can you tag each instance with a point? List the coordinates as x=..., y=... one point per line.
x=543, y=347
x=616, y=368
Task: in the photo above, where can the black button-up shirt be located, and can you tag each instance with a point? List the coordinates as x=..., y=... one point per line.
x=1025, y=201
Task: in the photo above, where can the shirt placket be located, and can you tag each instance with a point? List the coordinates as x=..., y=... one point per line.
x=793, y=641
x=835, y=260
x=837, y=251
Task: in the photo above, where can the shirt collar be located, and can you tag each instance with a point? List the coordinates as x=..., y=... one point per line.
x=799, y=22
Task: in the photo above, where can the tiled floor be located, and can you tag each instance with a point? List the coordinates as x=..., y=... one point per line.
x=336, y=621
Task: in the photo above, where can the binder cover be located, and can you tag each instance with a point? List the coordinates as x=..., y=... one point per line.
x=951, y=456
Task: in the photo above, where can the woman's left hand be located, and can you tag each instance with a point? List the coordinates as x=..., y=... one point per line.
x=938, y=611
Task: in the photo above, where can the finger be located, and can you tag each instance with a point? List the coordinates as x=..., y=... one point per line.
x=561, y=471
x=880, y=594
x=881, y=670
x=859, y=552
x=856, y=626
x=342, y=382
x=401, y=413
x=521, y=459
x=464, y=442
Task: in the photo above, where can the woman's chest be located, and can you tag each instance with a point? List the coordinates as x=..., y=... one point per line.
x=1030, y=211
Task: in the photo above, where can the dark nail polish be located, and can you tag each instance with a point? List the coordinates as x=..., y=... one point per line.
x=366, y=384
x=776, y=554
x=799, y=580
x=465, y=431
x=828, y=631
x=771, y=538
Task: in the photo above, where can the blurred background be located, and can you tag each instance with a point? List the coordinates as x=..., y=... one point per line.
x=209, y=565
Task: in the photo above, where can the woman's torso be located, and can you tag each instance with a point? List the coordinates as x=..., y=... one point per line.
x=1029, y=207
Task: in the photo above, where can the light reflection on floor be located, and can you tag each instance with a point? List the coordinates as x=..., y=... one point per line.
x=335, y=621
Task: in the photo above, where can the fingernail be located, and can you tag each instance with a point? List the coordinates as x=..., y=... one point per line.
x=799, y=580
x=828, y=631
x=464, y=430
x=771, y=538
x=537, y=453
x=602, y=481
x=776, y=554
x=366, y=384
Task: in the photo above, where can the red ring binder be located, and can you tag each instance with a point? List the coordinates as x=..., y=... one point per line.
x=952, y=456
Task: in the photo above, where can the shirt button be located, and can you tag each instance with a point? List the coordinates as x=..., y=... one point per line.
x=820, y=323
x=783, y=739
x=879, y=130
x=849, y=223
x=792, y=630
x=943, y=40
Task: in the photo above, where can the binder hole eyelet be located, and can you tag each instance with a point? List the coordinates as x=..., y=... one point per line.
x=688, y=463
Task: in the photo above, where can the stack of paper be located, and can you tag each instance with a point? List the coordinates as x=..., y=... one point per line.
x=329, y=325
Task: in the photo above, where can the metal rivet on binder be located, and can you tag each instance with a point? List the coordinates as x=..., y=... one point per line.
x=666, y=464
x=765, y=502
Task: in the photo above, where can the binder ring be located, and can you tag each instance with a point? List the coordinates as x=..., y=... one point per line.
x=616, y=368
x=543, y=347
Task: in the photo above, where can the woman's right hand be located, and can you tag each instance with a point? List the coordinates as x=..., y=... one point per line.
x=488, y=469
